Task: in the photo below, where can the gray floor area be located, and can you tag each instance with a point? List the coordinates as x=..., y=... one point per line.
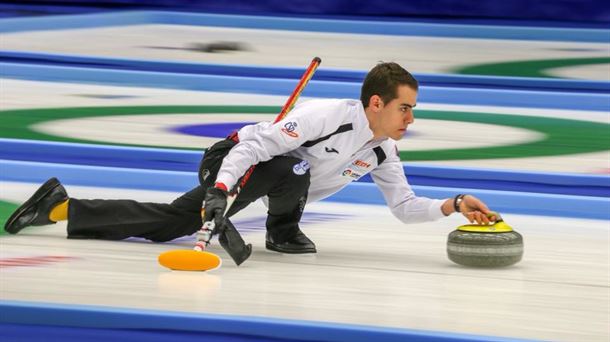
x=370, y=269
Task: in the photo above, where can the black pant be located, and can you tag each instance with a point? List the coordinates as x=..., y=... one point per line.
x=120, y=219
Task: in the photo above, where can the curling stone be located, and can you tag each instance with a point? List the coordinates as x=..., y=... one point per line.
x=494, y=245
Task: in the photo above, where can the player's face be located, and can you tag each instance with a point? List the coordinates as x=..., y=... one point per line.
x=398, y=113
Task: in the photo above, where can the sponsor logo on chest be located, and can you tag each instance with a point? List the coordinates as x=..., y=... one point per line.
x=356, y=169
x=351, y=173
x=361, y=163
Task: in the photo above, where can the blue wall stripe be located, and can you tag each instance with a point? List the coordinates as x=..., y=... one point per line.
x=554, y=178
x=390, y=28
x=366, y=193
x=100, y=155
x=112, y=177
x=306, y=24
x=61, y=22
x=500, y=201
x=326, y=89
x=517, y=83
x=184, y=160
x=283, y=329
x=323, y=74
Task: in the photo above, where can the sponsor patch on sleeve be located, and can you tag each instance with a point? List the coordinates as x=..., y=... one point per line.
x=290, y=129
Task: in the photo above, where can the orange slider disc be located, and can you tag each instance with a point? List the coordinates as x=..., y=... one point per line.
x=189, y=260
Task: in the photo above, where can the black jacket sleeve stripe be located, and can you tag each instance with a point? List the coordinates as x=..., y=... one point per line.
x=341, y=129
x=380, y=155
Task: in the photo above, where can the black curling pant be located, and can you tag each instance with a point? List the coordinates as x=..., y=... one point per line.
x=120, y=219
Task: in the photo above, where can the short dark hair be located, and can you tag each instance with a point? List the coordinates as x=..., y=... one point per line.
x=383, y=80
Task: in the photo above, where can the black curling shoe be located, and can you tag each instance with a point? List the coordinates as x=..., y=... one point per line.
x=35, y=211
x=299, y=244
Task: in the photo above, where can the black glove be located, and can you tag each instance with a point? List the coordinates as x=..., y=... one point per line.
x=215, y=205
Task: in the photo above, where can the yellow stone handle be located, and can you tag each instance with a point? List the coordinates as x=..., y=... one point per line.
x=499, y=226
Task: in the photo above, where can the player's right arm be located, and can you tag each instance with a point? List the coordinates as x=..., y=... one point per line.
x=261, y=142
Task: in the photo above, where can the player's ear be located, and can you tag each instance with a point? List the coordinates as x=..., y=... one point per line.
x=376, y=103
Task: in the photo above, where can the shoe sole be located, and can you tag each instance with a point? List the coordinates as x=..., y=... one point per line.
x=289, y=251
x=44, y=190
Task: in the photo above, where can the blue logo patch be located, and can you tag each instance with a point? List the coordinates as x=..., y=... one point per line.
x=301, y=168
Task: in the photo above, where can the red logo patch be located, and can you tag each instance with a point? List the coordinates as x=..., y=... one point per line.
x=362, y=163
x=289, y=129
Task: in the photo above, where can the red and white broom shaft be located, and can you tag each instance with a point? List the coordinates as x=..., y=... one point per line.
x=204, y=235
x=311, y=69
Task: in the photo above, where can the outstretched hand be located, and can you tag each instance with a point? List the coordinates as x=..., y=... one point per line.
x=476, y=211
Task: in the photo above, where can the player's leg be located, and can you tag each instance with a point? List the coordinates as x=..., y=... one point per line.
x=285, y=181
x=36, y=211
x=120, y=219
x=109, y=219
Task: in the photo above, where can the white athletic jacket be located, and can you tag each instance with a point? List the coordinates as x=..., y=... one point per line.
x=334, y=139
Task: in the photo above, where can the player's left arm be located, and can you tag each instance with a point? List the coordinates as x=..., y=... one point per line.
x=410, y=208
x=389, y=176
